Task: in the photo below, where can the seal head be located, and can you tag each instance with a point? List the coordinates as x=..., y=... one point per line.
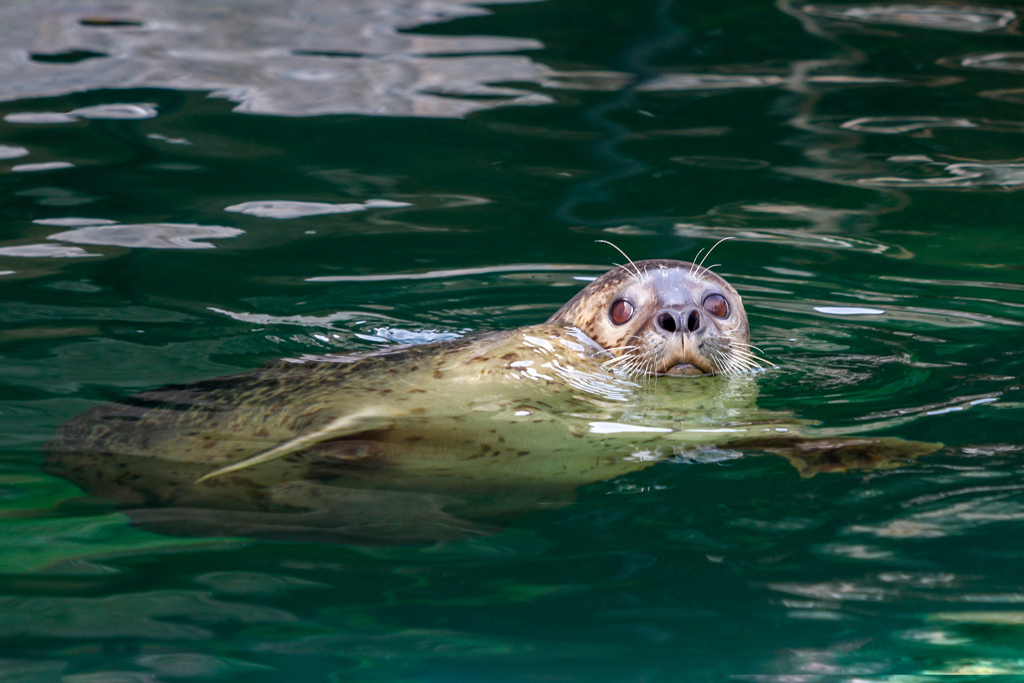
x=663, y=317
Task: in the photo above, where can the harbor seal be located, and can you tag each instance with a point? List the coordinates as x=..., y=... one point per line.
x=439, y=441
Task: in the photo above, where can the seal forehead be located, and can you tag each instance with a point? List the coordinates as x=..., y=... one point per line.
x=673, y=286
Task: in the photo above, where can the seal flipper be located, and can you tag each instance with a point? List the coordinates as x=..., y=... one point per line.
x=346, y=425
x=811, y=456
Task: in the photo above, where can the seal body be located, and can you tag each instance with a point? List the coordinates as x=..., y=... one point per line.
x=435, y=442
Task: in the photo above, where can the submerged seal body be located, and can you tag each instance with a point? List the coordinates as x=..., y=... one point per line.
x=429, y=442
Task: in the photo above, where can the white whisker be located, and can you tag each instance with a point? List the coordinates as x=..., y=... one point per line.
x=693, y=265
x=638, y=275
x=701, y=264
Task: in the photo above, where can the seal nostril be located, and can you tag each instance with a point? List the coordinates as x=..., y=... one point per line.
x=667, y=322
x=693, y=321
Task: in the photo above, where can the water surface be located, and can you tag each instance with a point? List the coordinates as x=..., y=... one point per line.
x=191, y=190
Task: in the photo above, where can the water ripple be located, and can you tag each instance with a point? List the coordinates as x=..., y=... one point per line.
x=455, y=272
x=115, y=111
x=971, y=175
x=43, y=166
x=44, y=251
x=905, y=124
x=12, y=152
x=971, y=19
x=148, y=235
x=280, y=208
x=286, y=58
x=793, y=238
x=128, y=615
x=999, y=61
x=711, y=81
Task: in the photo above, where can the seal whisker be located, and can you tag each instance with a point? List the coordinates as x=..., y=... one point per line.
x=623, y=359
x=626, y=354
x=628, y=363
x=701, y=264
x=745, y=364
x=646, y=363
x=631, y=370
x=719, y=359
x=744, y=352
x=693, y=265
x=744, y=359
x=740, y=347
x=632, y=276
x=643, y=364
x=735, y=367
x=638, y=276
x=733, y=333
x=627, y=347
x=743, y=347
x=752, y=346
x=735, y=361
x=752, y=358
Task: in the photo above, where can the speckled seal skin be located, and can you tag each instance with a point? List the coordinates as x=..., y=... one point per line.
x=440, y=441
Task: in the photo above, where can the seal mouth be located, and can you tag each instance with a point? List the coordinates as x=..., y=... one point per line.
x=685, y=369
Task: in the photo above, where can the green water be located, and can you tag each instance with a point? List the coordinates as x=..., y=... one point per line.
x=866, y=161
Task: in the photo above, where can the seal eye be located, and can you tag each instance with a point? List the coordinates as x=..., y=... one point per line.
x=717, y=306
x=622, y=311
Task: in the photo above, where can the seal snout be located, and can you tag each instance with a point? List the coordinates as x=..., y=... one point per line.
x=672, y=321
x=679, y=354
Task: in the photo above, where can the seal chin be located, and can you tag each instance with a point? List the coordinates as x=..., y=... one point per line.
x=685, y=369
x=688, y=362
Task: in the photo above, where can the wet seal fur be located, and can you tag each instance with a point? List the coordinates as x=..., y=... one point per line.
x=441, y=441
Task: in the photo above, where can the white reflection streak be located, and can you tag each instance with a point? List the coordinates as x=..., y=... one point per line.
x=148, y=235
x=955, y=404
x=99, y=111
x=848, y=310
x=1000, y=61
x=44, y=251
x=942, y=17
x=42, y=166
x=283, y=209
x=962, y=175
x=325, y=321
x=455, y=272
x=11, y=152
x=903, y=124
x=620, y=428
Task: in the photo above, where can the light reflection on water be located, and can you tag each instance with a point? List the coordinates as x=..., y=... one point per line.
x=943, y=17
x=296, y=58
